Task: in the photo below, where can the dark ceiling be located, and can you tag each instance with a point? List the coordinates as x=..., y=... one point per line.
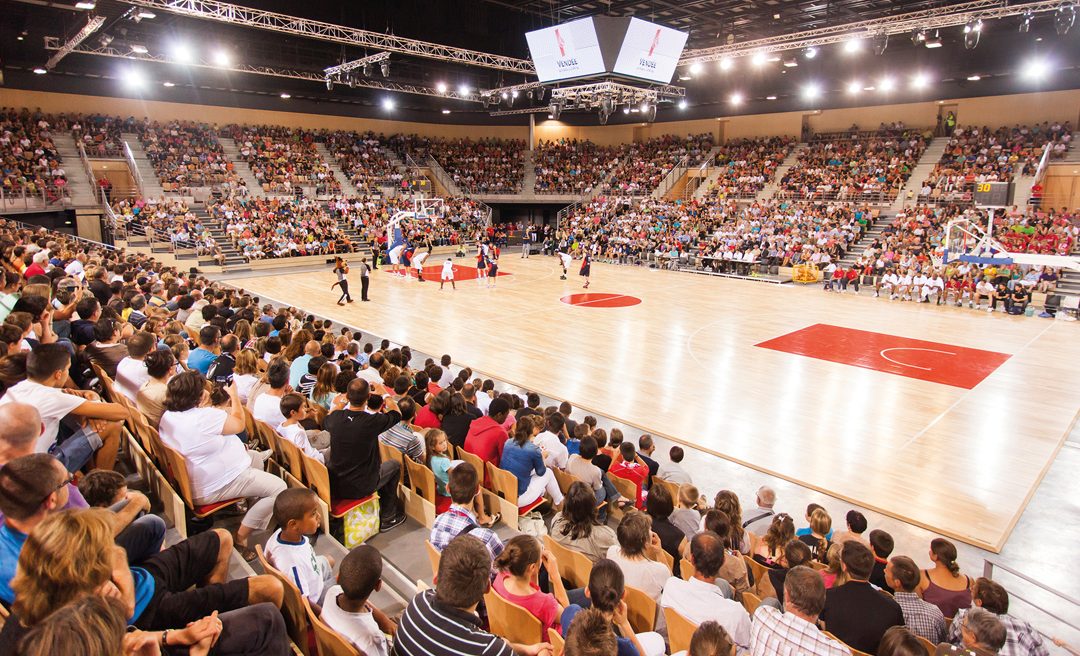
x=498, y=26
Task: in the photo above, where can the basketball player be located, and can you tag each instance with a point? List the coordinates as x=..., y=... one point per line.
x=481, y=262
x=564, y=260
x=493, y=269
x=341, y=268
x=447, y=274
x=418, y=262
x=889, y=282
x=586, y=266
x=396, y=246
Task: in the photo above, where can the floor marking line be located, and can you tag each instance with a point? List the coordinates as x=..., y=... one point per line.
x=910, y=348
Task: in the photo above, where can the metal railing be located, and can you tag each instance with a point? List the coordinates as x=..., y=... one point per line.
x=672, y=177
x=564, y=214
x=600, y=186
x=133, y=165
x=988, y=571
x=1040, y=176
x=873, y=197
x=41, y=198
x=443, y=177
x=82, y=240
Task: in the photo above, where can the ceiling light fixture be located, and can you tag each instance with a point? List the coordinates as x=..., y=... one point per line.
x=221, y=58
x=853, y=45
x=88, y=5
x=285, y=95
x=139, y=49
x=854, y=87
x=972, y=33
x=974, y=78
x=886, y=84
x=695, y=68
x=1064, y=18
x=446, y=111
x=770, y=97
x=811, y=91
x=736, y=99
x=791, y=62
x=464, y=90
x=133, y=78
x=1036, y=70
x=934, y=41
x=168, y=84
x=758, y=59
x=725, y=64
x=810, y=52
x=682, y=104
x=388, y=104
x=146, y=14
x=441, y=87
x=920, y=81
x=40, y=71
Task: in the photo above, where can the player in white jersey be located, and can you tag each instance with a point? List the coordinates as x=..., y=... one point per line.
x=564, y=259
x=934, y=286
x=904, y=287
x=418, y=262
x=889, y=283
x=447, y=274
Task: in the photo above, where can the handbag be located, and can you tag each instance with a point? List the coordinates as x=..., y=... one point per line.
x=362, y=522
x=532, y=524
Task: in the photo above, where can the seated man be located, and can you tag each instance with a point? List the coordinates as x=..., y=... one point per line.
x=131, y=371
x=1021, y=639
x=33, y=488
x=466, y=509
x=80, y=437
x=881, y=544
x=444, y=620
x=699, y=599
x=403, y=436
x=1018, y=300
x=795, y=631
x=855, y=612
x=923, y=618
x=486, y=435
x=981, y=633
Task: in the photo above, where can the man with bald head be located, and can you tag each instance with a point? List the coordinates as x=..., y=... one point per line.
x=759, y=518
x=141, y=537
x=355, y=466
x=299, y=366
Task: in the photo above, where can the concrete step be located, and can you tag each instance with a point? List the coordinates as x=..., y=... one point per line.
x=243, y=169
x=770, y=190
x=151, y=186
x=79, y=187
x=347, y=186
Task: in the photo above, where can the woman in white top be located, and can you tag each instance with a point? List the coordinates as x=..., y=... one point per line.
x=218, y=463
x=245, y=373
x=637, y=554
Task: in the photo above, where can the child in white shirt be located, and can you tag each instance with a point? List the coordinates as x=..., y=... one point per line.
x=295, y=410
x=347, y=609
x=296, y=511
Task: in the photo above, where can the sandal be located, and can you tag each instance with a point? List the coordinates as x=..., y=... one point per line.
x=494, y=520
x=246, y=552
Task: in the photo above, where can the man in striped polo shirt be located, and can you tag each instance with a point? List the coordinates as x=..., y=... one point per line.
x=443, y=622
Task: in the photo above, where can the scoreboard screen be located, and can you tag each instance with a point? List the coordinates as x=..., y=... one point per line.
x=993, y=194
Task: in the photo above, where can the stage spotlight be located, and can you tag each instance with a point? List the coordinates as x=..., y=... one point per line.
x=881, y=42
x=972, y=32
x=934, y=41
x=810, y=53
x=790, y=62
x=87, y=6
x=168, y=84
x=384, y=68
x=1064, y=18
x=811, y=91
x=446, y=111
x=695, y=68
x=920, y=81
x=464, y=90
x=974, y=78
x=351, y=77
x=1025, y=21
x=648, y=111
x=540, y=93
x=1036, y=70
x=725, y=64
x=555, y=110
x=388, y=104
x=758, y=59
x=329, y=84
x=529, y=94
x=365, y=70
x=221, y=58
x=504, y=95
x=886, y=84
x=853, y=45
x=736, y=99
x=441, y=87
x=133, y=78
x=917, y=37
x=139, y=49
x=181, y=53
x=625, y=110
x=854, y=87
x=682, y=104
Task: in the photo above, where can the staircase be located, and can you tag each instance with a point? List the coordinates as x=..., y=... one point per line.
x=78, y=185
x=1072, y=155
x=151, y=186
x=240, y=165
x=1022, y=185
x=528, y=183
x=770, y=188
x=234, y=261
x=347, y=187
x=868, y=237
x=678, y=190
x=925, y=166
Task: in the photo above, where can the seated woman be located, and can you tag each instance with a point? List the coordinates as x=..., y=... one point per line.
x=219, y=465
x=519, y=568
x=659, y=506
x=577, y=525
x=943, y=585
x=727, y=502
x=524, y=460
x=820, y=527
x=733, y=577
x=606, y=591
x=771, y=547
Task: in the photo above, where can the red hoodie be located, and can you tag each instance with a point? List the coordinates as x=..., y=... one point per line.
x=486, y=439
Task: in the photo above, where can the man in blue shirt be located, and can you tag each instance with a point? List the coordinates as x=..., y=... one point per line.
x=31, y=488
x=299, y=366
x=209, y=348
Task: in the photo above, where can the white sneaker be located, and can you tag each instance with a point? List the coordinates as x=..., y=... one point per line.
x=990, y=309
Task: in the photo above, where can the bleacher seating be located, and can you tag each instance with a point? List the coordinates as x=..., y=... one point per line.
x=283, y=158
x=29, y=161
x=185, y=154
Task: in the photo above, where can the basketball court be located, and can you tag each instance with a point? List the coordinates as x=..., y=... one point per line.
x=946, y=418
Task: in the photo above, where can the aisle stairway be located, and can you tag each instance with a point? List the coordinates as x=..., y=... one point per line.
x=78, y=185
x=528, y=183
x=347, y=187
x=770, y=188
x=920, y=173
x=234, y=261
x=868, y=237
x=240, y=165
x=151, y=186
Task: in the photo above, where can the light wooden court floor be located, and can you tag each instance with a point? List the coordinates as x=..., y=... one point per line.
x=683, y=364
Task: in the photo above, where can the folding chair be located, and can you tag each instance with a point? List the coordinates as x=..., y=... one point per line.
x=680, y=630
x=512, y=622
x=574, y=566
x=640, y=610
x=294, y=608
x=420, y=492
x=504, y=484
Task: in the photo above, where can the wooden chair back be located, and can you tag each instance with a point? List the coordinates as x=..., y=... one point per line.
x=318, y=478
x=293, y=458
x=750, y=602
x=931, y=648
x=680, y=630
x=558, y=645
x=640, y=610
x=854, y=652
x=511, y=621
x=328, y=641
x=177, y=473
x=574, y=566
x=503, y=483
x=625, y=487
x=757, y=569
x=294, y=606
x=389, y=453
x=475, y=461
x=686, y=569
x=667, y=559
x=565, y=479
x=421, y=479
x=434, y=557
x=672, y=488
